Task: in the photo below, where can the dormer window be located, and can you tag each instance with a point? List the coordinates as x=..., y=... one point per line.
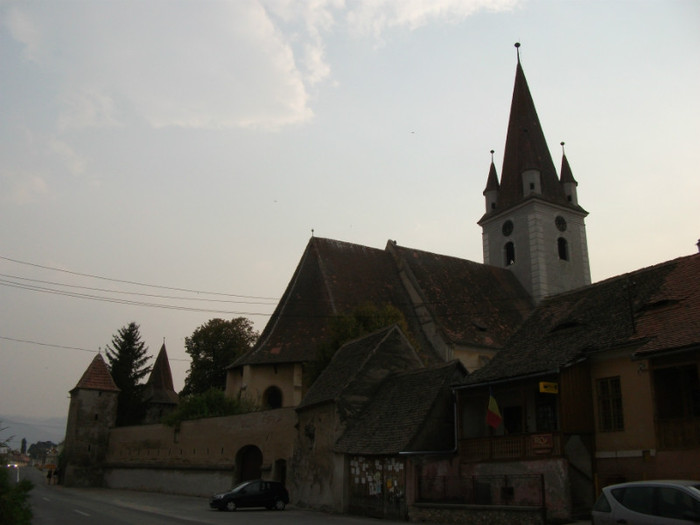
x=532, y=182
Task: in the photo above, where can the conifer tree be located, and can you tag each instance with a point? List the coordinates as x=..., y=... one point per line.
x=128, y=365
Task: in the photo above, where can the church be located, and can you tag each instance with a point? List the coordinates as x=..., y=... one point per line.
x=512, y=383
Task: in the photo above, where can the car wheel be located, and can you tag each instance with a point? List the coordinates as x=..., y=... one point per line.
x=279, y=504
x=231, y=505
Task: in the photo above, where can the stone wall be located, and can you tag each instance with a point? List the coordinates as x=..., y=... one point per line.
x=199, y=457
x=485, y=515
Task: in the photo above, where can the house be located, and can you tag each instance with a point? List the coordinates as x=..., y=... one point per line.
x=370, y=407
x=599, y=385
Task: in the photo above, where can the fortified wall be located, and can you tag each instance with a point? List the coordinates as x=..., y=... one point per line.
x=201, y=457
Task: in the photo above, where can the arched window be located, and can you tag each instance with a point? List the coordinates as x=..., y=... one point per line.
x=509, y=254
x=563, y=247
x=272, y=398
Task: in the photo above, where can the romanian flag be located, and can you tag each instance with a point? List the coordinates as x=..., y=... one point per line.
x=493, y=414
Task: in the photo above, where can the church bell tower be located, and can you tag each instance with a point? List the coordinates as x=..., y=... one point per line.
x=533, y=223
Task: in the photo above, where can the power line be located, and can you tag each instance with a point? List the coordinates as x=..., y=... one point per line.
x=92, y=276
x=65, y=347
x=77, y=295
x=53, y=283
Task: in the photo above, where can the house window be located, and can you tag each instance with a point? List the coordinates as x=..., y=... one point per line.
x=510, y=254
x=610, y=417
x=546, y=412
x=563, y=247
x=677, y=392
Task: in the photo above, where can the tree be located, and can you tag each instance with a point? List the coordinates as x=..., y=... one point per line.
x=14, y=498
x=127, y=363
x=212, y=403
x=212, y=347
x=363, y=320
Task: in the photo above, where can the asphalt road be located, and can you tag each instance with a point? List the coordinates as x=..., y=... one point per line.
x=56, y=505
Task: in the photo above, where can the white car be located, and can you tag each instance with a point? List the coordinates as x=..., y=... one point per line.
x=649, y=503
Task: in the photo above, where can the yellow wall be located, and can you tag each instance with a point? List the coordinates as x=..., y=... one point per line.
x=251, y=381
x=637, y=407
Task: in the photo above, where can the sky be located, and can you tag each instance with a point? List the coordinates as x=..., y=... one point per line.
x=166, y=162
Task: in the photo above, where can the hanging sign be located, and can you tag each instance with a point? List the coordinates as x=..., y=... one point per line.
x=547, y=387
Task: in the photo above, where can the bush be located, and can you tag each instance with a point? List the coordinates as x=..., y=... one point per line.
x=212, y=403
x=14, y=500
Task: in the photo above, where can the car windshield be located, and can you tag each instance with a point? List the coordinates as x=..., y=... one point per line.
x=241, y=486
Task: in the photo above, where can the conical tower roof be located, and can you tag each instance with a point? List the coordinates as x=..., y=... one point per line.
x=97, y=377
x=160, y=383
x=526, y=149
x=492, y=181
x=566, y=174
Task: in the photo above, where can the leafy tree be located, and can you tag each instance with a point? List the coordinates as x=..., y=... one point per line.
x=14, y=499
x=212, y=403
x=127, y=363
x=212, y=347
x=363, y=320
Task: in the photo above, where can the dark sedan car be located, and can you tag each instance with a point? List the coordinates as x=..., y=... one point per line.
x=256, y=493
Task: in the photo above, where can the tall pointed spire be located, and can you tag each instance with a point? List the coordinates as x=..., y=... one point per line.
x=526, y=150
x=533, y=224
x=160, y=393
x=161, y=377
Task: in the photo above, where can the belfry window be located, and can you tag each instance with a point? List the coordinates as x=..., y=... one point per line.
x=563, y=247
x=509, y=254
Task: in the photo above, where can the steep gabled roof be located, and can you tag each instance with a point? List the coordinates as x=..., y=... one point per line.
x=332, y=278
x=381, y=352
x=395, y=420
x=474, y=304
x=97, y=377
x=649, y=311
x=159, y=387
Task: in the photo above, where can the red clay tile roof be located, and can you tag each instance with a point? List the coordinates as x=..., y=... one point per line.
x=398, y=419
x=97, y=377
x=332, y=278
x=381, y=352
x=474, y=304
x=471, y=303
x=649, y=312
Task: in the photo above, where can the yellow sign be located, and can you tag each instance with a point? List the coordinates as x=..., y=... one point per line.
x=549, y=388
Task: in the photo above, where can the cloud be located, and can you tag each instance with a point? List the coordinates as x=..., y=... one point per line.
x=74, y=162
x=226, y=64
x=375, y=17
x=23, y=188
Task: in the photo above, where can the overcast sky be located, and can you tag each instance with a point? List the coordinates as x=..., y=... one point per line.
x=194, y=146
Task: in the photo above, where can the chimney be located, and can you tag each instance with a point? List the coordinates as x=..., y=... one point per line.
x=698, y=245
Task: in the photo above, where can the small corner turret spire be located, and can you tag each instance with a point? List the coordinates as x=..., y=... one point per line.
x=563, y=150
x=517, y=50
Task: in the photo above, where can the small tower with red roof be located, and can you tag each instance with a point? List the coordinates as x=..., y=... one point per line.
x=91, y=415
